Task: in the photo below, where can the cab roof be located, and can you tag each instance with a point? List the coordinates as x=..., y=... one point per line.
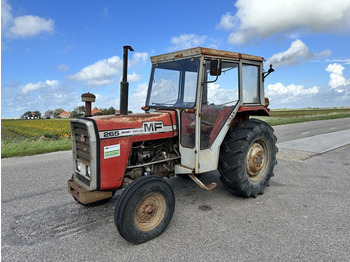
x=204, y=51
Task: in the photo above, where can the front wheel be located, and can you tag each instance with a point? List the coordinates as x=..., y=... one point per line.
x=247, y=158
x=144, y=209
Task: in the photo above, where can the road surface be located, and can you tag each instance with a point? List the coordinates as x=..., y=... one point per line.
x=303, y=215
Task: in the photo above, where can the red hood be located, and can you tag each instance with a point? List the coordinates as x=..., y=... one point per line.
x=118, y=122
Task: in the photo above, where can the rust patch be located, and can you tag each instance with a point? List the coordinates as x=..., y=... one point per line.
x=129, y=117
x=204, y=51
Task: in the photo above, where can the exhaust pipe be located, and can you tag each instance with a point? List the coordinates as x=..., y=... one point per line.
x=124, y=85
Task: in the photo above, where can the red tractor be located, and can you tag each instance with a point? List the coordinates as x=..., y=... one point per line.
x=197, y=119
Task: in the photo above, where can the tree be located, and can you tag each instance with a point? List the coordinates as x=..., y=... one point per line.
x=78, y=111
x=26, y=113
x=37, y=113
x=57, y=112
x=48, y=112
x=81, y=110
x=109, y=111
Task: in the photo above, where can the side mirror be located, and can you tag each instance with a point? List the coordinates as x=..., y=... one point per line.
x=215, y=67
x=265, y=74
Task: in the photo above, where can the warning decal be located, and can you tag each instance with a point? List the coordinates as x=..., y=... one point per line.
x=111, y=151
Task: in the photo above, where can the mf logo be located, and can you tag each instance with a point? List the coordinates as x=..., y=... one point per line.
x=152, y=126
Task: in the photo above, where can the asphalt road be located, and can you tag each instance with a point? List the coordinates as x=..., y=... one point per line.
x=309, y=129
x=303, y=215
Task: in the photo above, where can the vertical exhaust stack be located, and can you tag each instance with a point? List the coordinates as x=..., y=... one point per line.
x=124, y=85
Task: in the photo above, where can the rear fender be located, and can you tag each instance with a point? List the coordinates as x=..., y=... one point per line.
x=244, y=113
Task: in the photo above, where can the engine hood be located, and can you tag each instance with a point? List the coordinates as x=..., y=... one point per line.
x=113, y=126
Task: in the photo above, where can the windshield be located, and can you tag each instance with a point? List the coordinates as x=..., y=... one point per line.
x=173, y=84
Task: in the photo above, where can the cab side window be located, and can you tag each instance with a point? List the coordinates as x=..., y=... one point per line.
x=250, y=84
x=218, y=101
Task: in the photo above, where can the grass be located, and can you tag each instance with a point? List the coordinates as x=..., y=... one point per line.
x=30, y=137
x=283, y=117
x=28, y=147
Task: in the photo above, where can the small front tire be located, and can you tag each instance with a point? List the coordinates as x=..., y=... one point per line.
x=144, y=209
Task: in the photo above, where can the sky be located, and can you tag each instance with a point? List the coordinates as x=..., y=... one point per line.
x=53, y=51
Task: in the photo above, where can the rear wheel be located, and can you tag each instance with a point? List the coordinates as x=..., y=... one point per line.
x=144, y=209
x=247, y=158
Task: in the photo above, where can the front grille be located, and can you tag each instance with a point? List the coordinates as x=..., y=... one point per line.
x=81, y=152
x=82, y=143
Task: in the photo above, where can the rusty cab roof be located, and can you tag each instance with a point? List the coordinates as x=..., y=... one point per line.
x=197, y=51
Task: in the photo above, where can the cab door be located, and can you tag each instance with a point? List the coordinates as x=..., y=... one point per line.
x=219, y=104
x=203, y=129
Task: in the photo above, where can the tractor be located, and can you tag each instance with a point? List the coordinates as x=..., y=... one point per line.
x=197, y=119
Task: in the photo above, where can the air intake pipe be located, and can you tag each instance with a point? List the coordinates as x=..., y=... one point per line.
x=88, y=98
x=124, y=85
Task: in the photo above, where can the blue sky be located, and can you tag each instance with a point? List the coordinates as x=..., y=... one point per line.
x=53, y=51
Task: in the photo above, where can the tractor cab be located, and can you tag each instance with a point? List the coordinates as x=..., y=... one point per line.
x=207, y=88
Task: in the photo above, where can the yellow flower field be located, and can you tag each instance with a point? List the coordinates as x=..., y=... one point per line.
x=48, y=128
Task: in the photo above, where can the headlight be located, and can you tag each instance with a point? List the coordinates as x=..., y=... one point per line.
x=88, y=171
x=78, y=165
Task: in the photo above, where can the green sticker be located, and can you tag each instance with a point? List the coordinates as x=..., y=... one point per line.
x=111, y=151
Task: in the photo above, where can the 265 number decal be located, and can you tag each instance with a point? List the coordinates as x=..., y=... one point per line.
x=107, y=134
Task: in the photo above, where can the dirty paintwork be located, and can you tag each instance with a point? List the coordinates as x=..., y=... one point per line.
x=204, y=51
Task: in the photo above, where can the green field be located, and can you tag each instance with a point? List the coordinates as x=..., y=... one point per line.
x=282, y=117
x=29, y=137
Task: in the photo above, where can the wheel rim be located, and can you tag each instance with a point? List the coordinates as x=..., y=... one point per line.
x=257, y=160
x=150, y=212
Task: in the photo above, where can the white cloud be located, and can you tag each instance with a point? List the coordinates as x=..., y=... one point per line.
x=337, y=81
x=186, y=41
x=62, y=67
x=6, y=16
x=138, y=98
x=67, y=49
x=344, y=61
x=30, y=87
x=263, y=18
x=100, y=73
x=296, y=54
x=43, y=95
x=289, y=93
x=29, y=26
x=138, y=58
x=105, y=12
x=104, y=71
x=106, y=101
x=219, y=95
x=227, y=22
x=53, y=83
x=134, y=77
x=23, y=26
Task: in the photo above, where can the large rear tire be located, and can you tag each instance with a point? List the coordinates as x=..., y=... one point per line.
x=247, y=158
x=144, y=209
